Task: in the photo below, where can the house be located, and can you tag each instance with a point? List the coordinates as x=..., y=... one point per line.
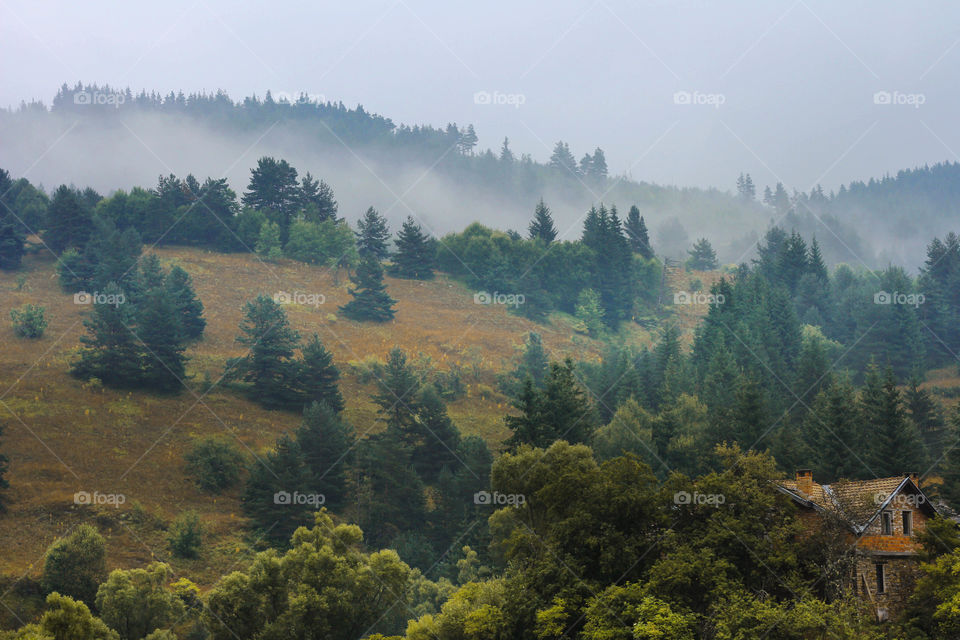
x=882, y=518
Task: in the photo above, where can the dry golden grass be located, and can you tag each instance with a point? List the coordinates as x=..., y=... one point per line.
x=64, y=436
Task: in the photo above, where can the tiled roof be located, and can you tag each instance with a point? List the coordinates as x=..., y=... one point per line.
x=857, y=502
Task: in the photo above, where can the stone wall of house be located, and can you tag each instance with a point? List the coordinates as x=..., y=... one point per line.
x=900, y=573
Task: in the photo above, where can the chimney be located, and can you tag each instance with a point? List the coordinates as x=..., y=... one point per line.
x=805, y=481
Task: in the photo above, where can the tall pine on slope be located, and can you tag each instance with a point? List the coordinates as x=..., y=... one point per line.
x=895, y=444
x=416, y=254
x=268, y=366
x=370, y=298
x=272, y=478
x=12, y=234
x=162, y=338
x=950, y=465
x=317, y=202
x=111, y=353
x=68, y=221
x=274, y=190
x=637, y=235
x=702, y=256
x=188, y=306
x=318, y=376
x=373, y=235
x=4, y=465
x=560, y=410
x=835, y=434
x=398, y=384
x=541, y=227
x=326, y=442
x=434, y=439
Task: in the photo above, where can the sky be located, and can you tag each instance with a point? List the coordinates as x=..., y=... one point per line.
x=684, y=93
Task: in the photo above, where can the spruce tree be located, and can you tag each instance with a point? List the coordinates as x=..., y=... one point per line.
x=835, y=435
x=162, y=339
x=925, y=411
x=268, y=498
x=559, y=411
x=895, y=444
x=111, y=353
x=397, y=385
x=370, y=298
x=12, y=236
x=637, y=235
x=318, y=376
x=416, y=255
x=189, y=309
x=274, y=190
x=317, y=201
x=434, y=438
x=749, y=417
x=68, y=221
x=542, y=228
x=326, y=442
x=702, y=256
x=373, y=234
x=950, y=464
x=268, y=366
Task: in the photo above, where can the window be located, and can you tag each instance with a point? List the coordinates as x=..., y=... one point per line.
x=908, y=523
x=880, y=578
x=886, y=519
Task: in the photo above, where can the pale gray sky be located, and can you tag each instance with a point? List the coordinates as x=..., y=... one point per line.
x=786, y=87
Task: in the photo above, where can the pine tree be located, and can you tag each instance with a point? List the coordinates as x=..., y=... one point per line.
x=835, y=434
x=950, y=464
x=370, y=298
x=318, y=376
x=434, y=438
x=268, y=498
x=317, y=200
x=111, y=352
x=326, y=442
x=702, y=256
x=162, y=339
x=189, y=309
x=636, y=230
x=416, y=255
x=749, y=417
x=268, y=366
x=925, y=411
x=815, y=262
x=558, y=411
x=562, y=161
x=274, y=190
x=68, y=222
x=506, y=156
x=896, y=445
x=541, y=227
x=12, y=236
x=397, y=386
x=373, y=235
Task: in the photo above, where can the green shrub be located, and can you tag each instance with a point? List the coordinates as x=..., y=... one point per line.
x=186, y=535
x=29, y=321
x=215, y=464
x=76, y=565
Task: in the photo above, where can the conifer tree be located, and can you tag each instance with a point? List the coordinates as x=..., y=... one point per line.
x=950, y=464
x=702, y=256
x=4, y=467
x=326, y=442
x=835, y=434
x=542, y=228
x=318, y=376
x=637, y=235
x=268, y=496
x=111, y=352
x=373, y=235
x=189, y=309
x=68, y=221
x=416, y=255
x=12, y=236
x=434, y=438
x=370, y=298
x=895, y=444
x=316, y=200
x=162, y=338
x=274, y=190
x=815, y=262
x=397, y=385
x=558, y=411
x=268, y=366
x=924, y=410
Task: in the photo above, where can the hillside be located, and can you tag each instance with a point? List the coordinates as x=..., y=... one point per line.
x=66, y=436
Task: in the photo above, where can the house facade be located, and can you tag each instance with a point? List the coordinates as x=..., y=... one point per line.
x=882, y=518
